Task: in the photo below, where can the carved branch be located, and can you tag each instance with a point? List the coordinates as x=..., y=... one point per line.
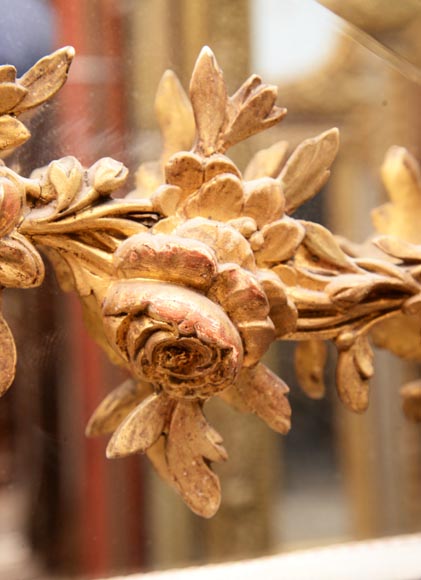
x=191, y=276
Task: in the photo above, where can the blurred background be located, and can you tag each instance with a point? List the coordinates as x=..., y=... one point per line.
x=66, y=511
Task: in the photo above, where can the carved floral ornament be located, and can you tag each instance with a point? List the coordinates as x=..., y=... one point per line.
x=189, y=278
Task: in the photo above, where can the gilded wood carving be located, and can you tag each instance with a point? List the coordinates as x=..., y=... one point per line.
x=188, y=279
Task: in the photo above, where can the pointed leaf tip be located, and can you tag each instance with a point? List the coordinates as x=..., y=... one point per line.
x=209, y=99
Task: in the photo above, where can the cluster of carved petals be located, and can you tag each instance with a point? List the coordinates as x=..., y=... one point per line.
x=182, y=285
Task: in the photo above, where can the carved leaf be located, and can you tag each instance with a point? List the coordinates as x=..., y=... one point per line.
x=322, y=244
x=191, y=444
x=45, y=78
x=350, y=289
x=265, y=394
x=116, y=406
x=267, y=162
x=20, y=264
x=400, y=334
x=353, y=371
x=7, y=358
x=310, y=360
x=157, y=456
x=252, y=109
x=12, y=132
x=399, y=248
x=10, y=95
x=208, y=95
x=174, y=114
x=142, y=428
x=307, y=170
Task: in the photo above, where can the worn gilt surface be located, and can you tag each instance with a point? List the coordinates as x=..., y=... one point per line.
x=188, y=279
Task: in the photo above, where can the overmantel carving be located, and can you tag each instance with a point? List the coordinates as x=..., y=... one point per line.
x=189, y=278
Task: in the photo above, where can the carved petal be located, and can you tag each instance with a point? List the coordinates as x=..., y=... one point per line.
x=280, y=240
x=310, y=359
x=307, y=170
x=166, y=199
x=7, y=356
x=11, y=203
x=265, y=395
x=240, y=294
x=208, y=95
x=283, y=311
x=20, y=264
x=221, y=199
x=142, y=428
x=257, y=337
x=165, y=257
x=228, y=244
x=217, y=164
x=192, y=443
x=66, y=177
x=263, y=200
x=12, y=132
x=185, y=170
x=116, y=406
x=45, y=78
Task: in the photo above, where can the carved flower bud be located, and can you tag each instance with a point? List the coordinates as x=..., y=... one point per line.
x=11, y=202
x=107, y=175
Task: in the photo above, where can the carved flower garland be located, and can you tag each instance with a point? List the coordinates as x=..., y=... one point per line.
x=188, y=279
x=191, y=326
